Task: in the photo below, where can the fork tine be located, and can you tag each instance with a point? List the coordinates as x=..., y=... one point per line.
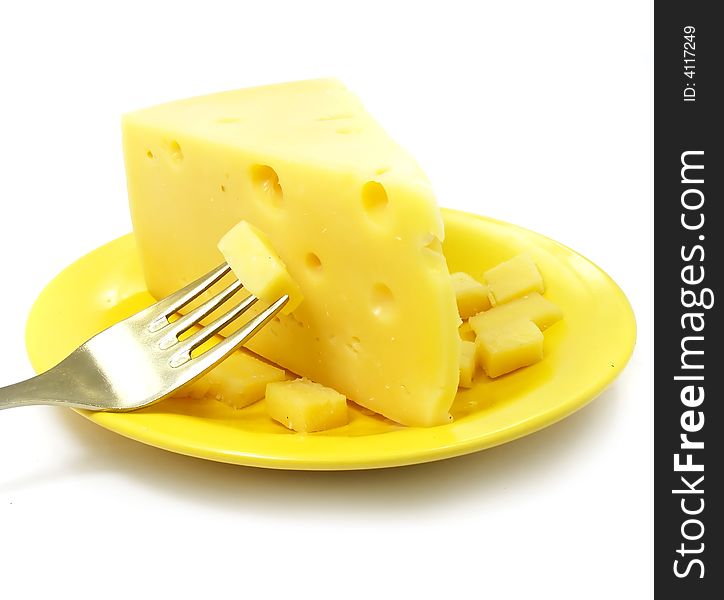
x=221, y=350
x=195, y=340
x=171, y=304
x=192, y=318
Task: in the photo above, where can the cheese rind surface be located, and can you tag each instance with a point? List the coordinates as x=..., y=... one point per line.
x=348, y=211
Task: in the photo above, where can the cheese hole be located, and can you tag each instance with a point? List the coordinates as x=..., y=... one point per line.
x=175, y=151
x=374, y=198
x=382, y=301
x=223, y=188
x=313, y=262
x=354, y=344
x=149, y=154
x=297, y=320
x=432, y=243
x=266, y=181
x=381, y=170
x=348, y=130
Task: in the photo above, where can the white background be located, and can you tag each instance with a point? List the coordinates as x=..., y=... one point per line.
x=539, y=113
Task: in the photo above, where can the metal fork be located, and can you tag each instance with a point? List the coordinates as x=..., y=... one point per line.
x=141, y=360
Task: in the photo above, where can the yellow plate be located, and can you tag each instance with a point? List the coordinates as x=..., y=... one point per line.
x=583, y=354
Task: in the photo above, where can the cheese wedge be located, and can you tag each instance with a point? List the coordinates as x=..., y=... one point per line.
x=350, y=214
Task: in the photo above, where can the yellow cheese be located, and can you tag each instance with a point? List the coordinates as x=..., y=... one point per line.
x=238, y=381
x=198, y=389
x=471, y=295
x=533, y=307
x=306, y=406
x=509, y=347
x=255, y=263
x=466, y=332
x=467, y=363
x=348, y=211
x=513, y=278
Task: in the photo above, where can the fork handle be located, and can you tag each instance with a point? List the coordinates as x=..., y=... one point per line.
x=24, y=393
x=46, y=388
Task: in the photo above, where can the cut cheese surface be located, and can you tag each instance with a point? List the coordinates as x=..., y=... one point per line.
x=513, y=278
x=198, y=389
x=533, y=307
x=349, y=213
x=241, y=379
x=509, y=347
x=466, y=332
x=471, y=295
x=238, y=381
x=257, y=265
x=306, y=406
x=467, y=363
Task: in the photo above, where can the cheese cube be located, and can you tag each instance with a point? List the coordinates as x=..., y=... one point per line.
x=198, y=389
x=467, y=363
x=514, y=345
x=466, y=332
x=533, y=307
x=255, y=263
x=351, y=215
x=240, y=380
x=306, y=406
x=513, y=278
x=471, y=295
